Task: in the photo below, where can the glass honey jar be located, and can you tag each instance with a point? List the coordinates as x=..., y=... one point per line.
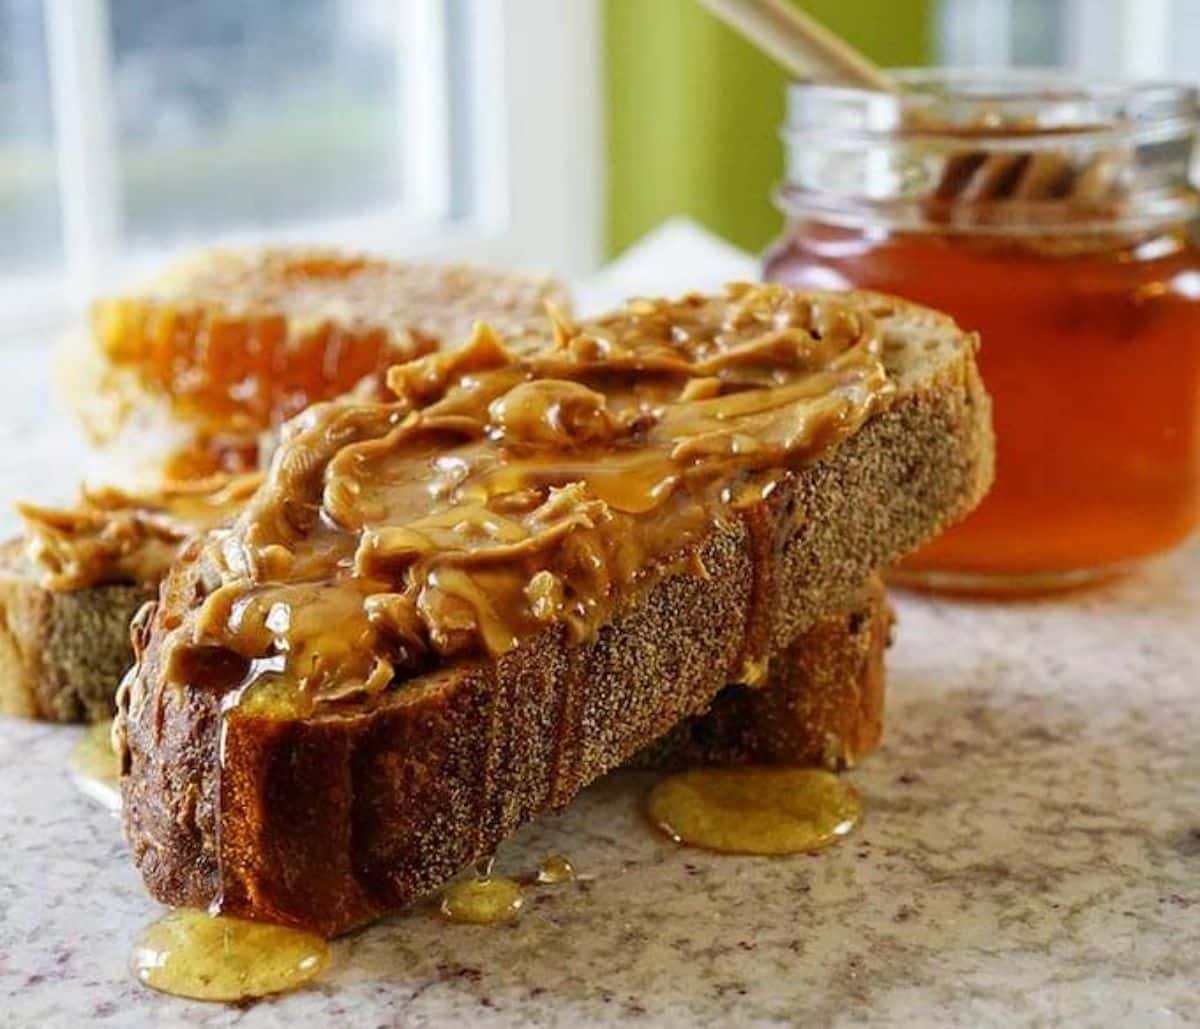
x=1057, y=218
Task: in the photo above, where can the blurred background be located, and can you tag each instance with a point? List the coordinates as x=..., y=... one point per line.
x=546, y=133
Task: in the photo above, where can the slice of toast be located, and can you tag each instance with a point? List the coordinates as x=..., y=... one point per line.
x=71, y=584
x=62, y=652
x=326, y=817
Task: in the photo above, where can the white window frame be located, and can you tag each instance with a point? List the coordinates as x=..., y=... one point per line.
x=537, y=154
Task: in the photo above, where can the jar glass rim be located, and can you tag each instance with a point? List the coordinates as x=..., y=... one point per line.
x=943, y=102
x=1010, y=152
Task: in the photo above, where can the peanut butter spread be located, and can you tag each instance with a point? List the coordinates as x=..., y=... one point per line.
x=512, y=488
x=239, y=341
x=114, y=536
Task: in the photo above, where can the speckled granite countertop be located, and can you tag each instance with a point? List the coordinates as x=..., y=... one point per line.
x=1031, y=854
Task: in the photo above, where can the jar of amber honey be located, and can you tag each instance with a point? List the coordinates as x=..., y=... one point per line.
x=1056, y=218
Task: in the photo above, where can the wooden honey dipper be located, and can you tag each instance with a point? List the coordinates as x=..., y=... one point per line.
x=975, y=185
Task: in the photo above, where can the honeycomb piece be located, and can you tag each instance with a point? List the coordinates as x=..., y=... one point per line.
x=236, y=342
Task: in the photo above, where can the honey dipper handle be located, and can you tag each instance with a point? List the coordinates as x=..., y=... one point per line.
x=804, y=46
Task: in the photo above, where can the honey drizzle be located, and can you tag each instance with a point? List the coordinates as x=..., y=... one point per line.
x=556, y=869
x=483, y=900
x=189, y=953
x=487, y=899
x=755, y=810
x=95, y=767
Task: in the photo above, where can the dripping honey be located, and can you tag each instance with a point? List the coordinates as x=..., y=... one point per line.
x=483, y=900
x=1092, y=359
x=755, y=810
x=555, y=870
x=95, y=766
x=193, y=954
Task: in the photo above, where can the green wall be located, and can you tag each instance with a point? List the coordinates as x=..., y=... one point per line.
x=694, y=111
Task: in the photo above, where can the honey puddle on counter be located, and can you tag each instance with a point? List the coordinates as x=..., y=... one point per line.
x=556, y=869
x=94, y=766
x=190, y=953
x=486, y=899
x=483, y=900
x=755, y=810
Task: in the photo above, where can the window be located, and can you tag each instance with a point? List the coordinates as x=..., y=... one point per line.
x=304, y=121
x=1114, y=38
x=30, y=228
x=133, y=129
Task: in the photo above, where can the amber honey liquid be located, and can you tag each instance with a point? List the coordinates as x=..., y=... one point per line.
x=189, y=953
x=766, y=811
x=1092, y=359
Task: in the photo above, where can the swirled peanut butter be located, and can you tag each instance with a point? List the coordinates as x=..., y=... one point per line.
x=114, y=536
x=512, y=488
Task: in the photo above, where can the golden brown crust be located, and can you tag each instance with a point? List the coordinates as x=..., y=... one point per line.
x=330, y=821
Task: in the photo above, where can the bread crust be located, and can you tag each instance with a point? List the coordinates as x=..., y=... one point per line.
x=821, y=704
x=330, y=821
x=61, y=652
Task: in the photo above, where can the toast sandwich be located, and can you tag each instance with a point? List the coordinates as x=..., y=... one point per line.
x=442, y=615
x=69, y=591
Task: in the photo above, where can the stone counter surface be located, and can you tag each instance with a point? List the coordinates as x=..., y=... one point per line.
x=1030, y=855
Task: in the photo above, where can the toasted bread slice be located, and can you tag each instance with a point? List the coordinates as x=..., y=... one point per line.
x=62, y=653
x=71, y=584
x=185, y=376
x=327, y=816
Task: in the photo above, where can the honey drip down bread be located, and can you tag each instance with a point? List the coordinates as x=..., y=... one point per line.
x=444, y=613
